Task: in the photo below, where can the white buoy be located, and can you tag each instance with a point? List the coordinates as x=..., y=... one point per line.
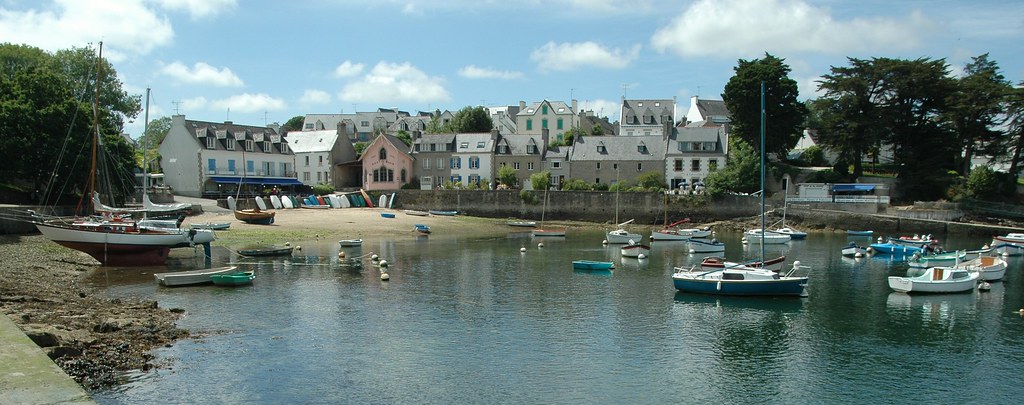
x=374, y=257
x=383, y=264
x=287, y=243
x=604, y=242
x=522, y=250
x=341, y=254
x=540, y=245
x=641, y=256
x=858, y=255
x=298, y=248
x=384, y=277
x=692, y=251
x=984, y=286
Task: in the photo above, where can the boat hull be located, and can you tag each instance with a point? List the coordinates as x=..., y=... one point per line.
x=697, y=246
x=233, y=279
x=548, y=232
x=620, y=236
x=930, y=282
x=116, y=248
x=635, y=250
x=766, y=238
x=697, y=284
x=255, y=217
x=592, y=265
x=193, y=277
x=350, y=242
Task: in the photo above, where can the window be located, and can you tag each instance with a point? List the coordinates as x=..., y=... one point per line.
x=456, y=179
x=598, y=165
x=455, y=163
x=416, y=148
x=211, y=142
x=268, y=168
x=695, y=165
x=474, y=162
x=318, y=177
x=678, y=166
x=403, y=175
x=426, y=163
x=249, y=166
x=364, y=123
x=544, y=123
x=503, y=149
x=383, y=154
x=284, y=148
x=713, y=164
x=211, y=165
x=559, y=125
x=267, y=147
x=531, y=149
x=544, y=110
x=639, y=167
x=284, y=169
x=641, y=148
x=307, y=160
x=440, y=181
x=464, y=145
x=320, y=161
x=309, y=126
x=515, y=165
x=433, y=147
x=440, y=163
x=480, y=145
x=305, y=177
x=529, y=165
x=555, y=164
x=231, y=166
x=229, y=143
x=529, y=125
x=249, y=145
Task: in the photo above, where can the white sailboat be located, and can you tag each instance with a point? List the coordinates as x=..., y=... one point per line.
x=740, y=279
x=111, y=239
x=542, y=230
x=621, y=235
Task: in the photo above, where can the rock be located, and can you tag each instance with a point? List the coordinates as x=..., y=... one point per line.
x=64, y=351
x=109, y=325
x=43, y=338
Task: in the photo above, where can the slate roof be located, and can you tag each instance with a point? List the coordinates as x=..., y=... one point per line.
x=473, y=143
x=618, y=148
x=712, y=108
x=646, y=110
x=517, y=144
x=557, y=108
x=312, y=141
x=227, y=132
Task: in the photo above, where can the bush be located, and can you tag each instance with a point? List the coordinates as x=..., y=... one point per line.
x=577, y=185
x=541, y=181
x=599, y=187
x=529, y=197
x=323, y=189
x=983, y=182
x=826, y=176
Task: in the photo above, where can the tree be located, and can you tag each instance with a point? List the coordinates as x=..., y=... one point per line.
x=1015, y=127
x=576, y=184
x=541, y=181
x=471, y=120
x=293, y=124
x=359, y=147
x=983, y=183
x=597, y=130
x=404, y=136
x=651, y=181
x=742, y=174
x=976, y=109
x=847, y=119
x=149, y=142
x=507, y=176
x=785, y=115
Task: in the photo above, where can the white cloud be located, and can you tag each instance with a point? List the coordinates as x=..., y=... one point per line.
x=199, y=8
x=191, y=105
x=602, y=108
x=393, y=83
x=249, y=103
x=202, y=73
x=348, y=69
x=315, y=97
x=571, y=56
x=748, y=28
x=126, y=26
x=474, y=72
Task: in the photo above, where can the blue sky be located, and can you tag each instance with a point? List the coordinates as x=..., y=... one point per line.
x=257, y=62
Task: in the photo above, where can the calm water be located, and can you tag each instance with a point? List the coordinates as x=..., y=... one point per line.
x=476, y=321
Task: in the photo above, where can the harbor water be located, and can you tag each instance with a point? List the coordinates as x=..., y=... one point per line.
x=467, y=320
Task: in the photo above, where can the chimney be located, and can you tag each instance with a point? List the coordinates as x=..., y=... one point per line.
x=522, y=105
x=495, y=132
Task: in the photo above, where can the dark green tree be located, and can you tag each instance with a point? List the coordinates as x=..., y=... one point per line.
x=471, y=120
x=976, y=110
x=784, y=114
x=149, y=142
x=507, y=176
x=293, y=124
x=404, y=136
x=848, y=118
x=1015, y=128
x=540, y=181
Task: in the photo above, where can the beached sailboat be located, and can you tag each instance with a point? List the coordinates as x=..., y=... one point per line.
x=112, y=239
x=255, y=215
x=741, y=279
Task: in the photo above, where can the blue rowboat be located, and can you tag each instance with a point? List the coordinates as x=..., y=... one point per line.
x=592, y=265
x=387, y=215
x=895, y=248
x=859, y=233
x=421, y=228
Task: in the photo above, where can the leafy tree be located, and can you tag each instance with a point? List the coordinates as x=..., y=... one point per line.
x=435, y=126
x=405, y=137
x=323, y=189
x=983, y=183
x=541, y=181
x=576, y=184
x=784, y=114
x=814, y=156
x=149, y=142
x=742, y=174
x=976, y=109
x=507, y=176
x=359, y=147
x=1015, y=127
x=471, y=120
x=293, y=124
x=597, y=130
x=620, y=185
x=651, y=181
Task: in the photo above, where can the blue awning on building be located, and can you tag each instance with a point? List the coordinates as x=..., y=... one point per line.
x=852, y=187
x=273, y=181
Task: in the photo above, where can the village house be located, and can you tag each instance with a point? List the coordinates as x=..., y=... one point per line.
x=387, y=164
x=321, y=157
x=432, y=154
x=610, y=159
x=646, y=117
x=523, y=153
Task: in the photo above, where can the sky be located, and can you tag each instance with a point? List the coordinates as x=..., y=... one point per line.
x=256, y=62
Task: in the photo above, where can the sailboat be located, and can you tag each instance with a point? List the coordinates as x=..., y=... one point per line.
x=112, y=239
x=621, y=235
x=542, y=231
x=786, y=230
x=257, y=215
x=741, y=279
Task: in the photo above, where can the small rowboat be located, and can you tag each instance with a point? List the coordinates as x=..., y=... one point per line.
x=524, y=224
x=350, y=242
x=212, y=225
x=234, y=279
x=387, y=215
x=592, y=265
x=192, y=277
x=421, y=228
x=443, y=213
x=269, y=251
x=851, y=232
x=416, y=213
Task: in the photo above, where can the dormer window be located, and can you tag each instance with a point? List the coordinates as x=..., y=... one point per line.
x=601, y=148
x=249, y=145
x=464, y=145
x=480, y=145
x=211, y=142
x=503, y=149
x=229, y=143
x=641, y=148
x=266, y=147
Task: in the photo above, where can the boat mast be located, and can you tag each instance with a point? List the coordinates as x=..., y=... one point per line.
x=91, y=188
x=145, y=149
x=762, y=173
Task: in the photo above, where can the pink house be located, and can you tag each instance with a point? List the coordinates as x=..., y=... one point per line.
x=387, y=164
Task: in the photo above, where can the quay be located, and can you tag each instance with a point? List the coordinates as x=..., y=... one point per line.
x=28, y=376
